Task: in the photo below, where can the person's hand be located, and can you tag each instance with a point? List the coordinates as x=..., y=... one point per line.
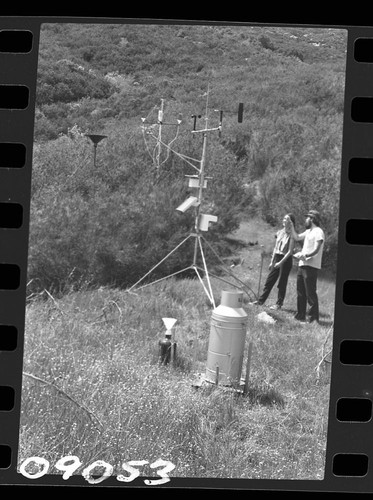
x=277, y=265
x=270, y=266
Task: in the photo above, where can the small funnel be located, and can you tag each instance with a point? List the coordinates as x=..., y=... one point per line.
x=96, y=138
x=169, y=322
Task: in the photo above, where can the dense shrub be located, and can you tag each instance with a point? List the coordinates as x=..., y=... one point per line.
x=112, y=224
x=66, y=81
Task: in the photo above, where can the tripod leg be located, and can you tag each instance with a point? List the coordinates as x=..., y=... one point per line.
x=206, y=271
x=159, y=263
x=211, y=298
x=227, y=270
x=161, y=279
x=226, y=281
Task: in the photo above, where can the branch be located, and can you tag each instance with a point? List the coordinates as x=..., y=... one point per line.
x=54, y=300
x=323, y=355
x=61, y=391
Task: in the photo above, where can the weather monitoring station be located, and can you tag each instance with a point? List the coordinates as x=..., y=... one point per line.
x=159, y=151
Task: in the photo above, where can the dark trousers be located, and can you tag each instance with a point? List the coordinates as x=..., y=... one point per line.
x=307, y=292
x=282, y=274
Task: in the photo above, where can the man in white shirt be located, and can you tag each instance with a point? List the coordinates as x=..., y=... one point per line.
x=309, y=264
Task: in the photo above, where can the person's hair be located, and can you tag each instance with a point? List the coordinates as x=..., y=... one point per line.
x=292, y=218
x=315, y=220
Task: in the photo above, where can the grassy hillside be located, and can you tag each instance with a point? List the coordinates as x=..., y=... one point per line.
x=96, y=73
x=100, y=393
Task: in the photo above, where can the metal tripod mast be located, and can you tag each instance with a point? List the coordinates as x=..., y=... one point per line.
x=201, y=221
x=201, y=178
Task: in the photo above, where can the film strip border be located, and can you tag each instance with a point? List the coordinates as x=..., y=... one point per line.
x=18, y=63
x=350, y=417
x=349, y=449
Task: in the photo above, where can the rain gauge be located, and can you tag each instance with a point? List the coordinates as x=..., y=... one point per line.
x=167, y=346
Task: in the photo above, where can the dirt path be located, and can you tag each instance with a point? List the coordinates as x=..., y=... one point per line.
x=258, y=236
x=258, y=233
x=255, y=240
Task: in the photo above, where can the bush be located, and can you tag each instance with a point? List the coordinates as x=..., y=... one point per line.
x=111, y=225
x=300, y=190
x=65, y=81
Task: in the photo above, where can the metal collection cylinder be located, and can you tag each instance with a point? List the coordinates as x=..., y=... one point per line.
x=227, y=340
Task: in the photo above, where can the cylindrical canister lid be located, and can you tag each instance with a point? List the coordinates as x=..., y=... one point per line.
x=231, y=298
x=230, y=306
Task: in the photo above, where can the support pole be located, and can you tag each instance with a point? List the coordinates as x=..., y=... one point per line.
x=159, y=141
x=207, y=274
x=248, y=366
x=94, y=154
x=201, y=178
x=261, y=269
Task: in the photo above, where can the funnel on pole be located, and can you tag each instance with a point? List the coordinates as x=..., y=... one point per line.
x=95, y=138
x=167, y=347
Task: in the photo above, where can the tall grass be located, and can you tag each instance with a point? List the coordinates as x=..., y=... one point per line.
x=93, y=386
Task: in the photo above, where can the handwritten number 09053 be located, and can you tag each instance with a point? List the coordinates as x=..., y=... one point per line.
x=70, y=463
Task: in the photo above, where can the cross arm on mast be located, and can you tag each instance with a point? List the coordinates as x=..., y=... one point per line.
x=206, y=130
